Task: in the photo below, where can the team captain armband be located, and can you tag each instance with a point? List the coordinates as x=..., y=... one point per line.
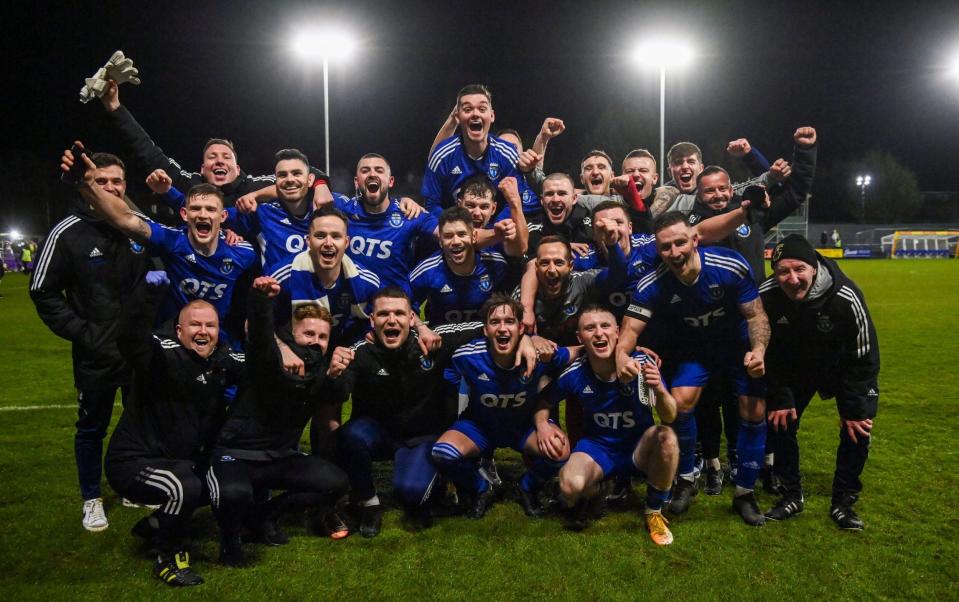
x=639, y=312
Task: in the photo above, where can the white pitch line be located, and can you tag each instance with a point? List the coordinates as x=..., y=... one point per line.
x=49, y=407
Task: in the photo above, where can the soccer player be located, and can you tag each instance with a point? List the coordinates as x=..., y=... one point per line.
x=478, y=197
x=503, y=410
x=83, y=273
x=823, y=339
x=710, y=296
x=620, y=436
x=157, y=452
x=400, y=407
x=469, y=152
x=596, y=172
x=381, y=233
x=258, y=446
x=561, y=293
x=324, y=276
x=219, y=167
x=458, y=279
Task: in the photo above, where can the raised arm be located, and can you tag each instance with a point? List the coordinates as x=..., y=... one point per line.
x=446, y=130
x=112, y=207
x=516, y=244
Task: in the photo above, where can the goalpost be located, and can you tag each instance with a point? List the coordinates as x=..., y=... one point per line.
x=922, y=243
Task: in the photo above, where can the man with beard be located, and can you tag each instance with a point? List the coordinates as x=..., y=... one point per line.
x=470, y=152
x=503, y=410
x=458, y=279
x=219, y=167
x=710, y=295
x=400, y=407
x=322, y=275
x=158, y=450
x=715, y=195
x=561, y=292
x=258, y=446
x=381, y=234
x=199, y=262
x=823, y=340
x=83, y=274
x=621, y=438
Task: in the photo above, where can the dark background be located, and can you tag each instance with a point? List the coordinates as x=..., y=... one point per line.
x=867, y=75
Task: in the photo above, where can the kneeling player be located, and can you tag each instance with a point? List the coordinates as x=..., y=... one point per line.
x=502, y=411
x=156, y=454
x=258, y=446
x=620, y=437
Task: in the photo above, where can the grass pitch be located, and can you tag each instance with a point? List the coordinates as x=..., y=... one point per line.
x=908, y=550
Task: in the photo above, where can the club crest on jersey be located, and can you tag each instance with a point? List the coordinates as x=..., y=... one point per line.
x=693, y=219
x=526, y=196
x=493, y=170
x=570, y=309
x=743, y=231
x=426, y=363
x=716, y=292
x=627, y=388
x=396, y=220
x=484, y=283
x=588, y=221
x=823, y=323
x=136, y=247
x=227, y=266
x=523, y=379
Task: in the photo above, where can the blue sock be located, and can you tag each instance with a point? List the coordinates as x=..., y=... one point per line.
x=462, y=471
x=540, y=471
x=685, y=427
x=655, y=498
x=751, y=448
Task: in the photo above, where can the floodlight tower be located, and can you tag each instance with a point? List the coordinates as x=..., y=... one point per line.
x=663, y=53
x=863, y=182
x=323, y=45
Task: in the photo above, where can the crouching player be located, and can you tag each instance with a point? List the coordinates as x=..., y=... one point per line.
x=620, y=437
x=257, y=447
x=502, y=411
x=157, y=453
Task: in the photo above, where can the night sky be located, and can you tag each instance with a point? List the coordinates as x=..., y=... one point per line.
x=867, y=75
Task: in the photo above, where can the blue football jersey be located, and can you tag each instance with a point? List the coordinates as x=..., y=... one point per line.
x=194, y=275
x=500, y=400
x=383, y=242
x=449, y=167
x=451, y=297
x=612, y=412
x=642, y=257
x=347, y=299
x=279, y=235
x=708, y=309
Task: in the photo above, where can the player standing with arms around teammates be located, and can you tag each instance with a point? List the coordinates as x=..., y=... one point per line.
x=620, y=437
x=823, y=339
x=710, y=296
x=84, y=272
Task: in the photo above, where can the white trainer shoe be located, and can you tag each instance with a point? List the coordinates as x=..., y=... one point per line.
x=94, y=517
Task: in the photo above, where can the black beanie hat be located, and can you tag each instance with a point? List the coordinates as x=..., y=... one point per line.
x=794, y=246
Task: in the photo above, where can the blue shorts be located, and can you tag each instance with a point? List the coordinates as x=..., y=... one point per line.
x=695, y=372
x=486, y=438
x=614, y=461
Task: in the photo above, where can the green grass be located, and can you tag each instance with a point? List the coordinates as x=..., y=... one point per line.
x=908, y=549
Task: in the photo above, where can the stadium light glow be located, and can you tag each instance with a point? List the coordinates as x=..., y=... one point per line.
x=663, y=53
x=15, y=235
x=863, y=182
x=324, y=45
x=952, y=66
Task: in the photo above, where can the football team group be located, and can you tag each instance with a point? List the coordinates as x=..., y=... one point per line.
x=456, y=324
